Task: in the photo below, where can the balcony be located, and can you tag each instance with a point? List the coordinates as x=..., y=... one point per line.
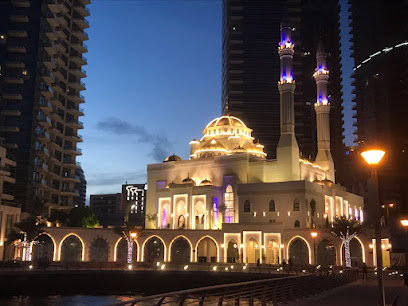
x=49, y=47
x=51, y=33
x=9, y=129
x=18, y=18
x=20, y=3
x=60, y=32
x=73, y=164
x=77, y=98
x=82, y=10
x=49, y=62
x=81, y=22
x=80, y=47
x=46, y=91
x=78, y=112
x=45, y=105
x=20, y=33
x=41, y=167
x=12, y=96
x=52, y=19
x=47, y=75
x=52, y=6
x=15, y=62
x=71, y=178
x=59, y=46
x=78, y=72
x=16, y=48
x=40, y=182
x=43, y=152
x=10, y=112
x=5, y=171
x=44, y=121
x=73, y=150
x=79, y=59
x=13, y=80
x=43, y=136
x=85, y=2
x=77, y=85
x=80, y=34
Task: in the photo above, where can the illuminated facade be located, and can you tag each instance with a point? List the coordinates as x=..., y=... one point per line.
x=251, y=208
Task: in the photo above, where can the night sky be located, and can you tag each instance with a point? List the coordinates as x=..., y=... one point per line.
x=153, y=83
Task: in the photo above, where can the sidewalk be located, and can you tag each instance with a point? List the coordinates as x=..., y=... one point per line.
x=360, y=293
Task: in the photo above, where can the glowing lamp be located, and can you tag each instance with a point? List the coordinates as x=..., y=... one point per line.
x=133, y=235
x=185, y=267
x=222, y=245
x=314, y=234
x=391, y=205
x=130, y=267
x=371, y=246
x=373, y=157
x=404, y=222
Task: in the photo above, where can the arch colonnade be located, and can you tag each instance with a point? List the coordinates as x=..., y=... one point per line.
x=184, y=246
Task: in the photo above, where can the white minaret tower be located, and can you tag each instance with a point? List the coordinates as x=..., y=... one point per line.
x=288, y=150
x=322, y=106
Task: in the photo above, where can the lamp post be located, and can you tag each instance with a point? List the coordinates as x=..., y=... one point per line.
x=314, y=235
x=373, y=157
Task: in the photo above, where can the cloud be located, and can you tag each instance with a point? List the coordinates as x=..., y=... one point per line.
x=160, y=143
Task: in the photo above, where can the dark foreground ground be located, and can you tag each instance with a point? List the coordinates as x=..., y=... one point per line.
x=49, y=283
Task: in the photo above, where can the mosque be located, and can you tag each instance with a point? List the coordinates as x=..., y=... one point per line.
x=230, y=204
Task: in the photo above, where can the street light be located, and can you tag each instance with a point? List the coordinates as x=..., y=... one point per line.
x=314, y=235
x=404, y=222
x=373, y=158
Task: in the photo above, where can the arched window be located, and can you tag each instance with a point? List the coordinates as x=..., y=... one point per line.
x=296, y=205
x=247, y=206
x=313, y=207
x=272, y=205
x=229, y=204
x=297, y=223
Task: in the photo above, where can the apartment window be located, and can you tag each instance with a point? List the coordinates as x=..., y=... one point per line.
x=247, y=206
x=272, y=206
x=296, y=205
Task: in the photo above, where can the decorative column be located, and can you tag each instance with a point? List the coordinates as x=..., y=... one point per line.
x=287, y=150
x=322, y=107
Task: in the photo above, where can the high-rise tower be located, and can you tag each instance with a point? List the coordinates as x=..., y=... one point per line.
x=287, y=150
x=322, y=106
x=250, y=70
x=41, y=47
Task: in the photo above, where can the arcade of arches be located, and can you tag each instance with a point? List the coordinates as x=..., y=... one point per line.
x=184, y=246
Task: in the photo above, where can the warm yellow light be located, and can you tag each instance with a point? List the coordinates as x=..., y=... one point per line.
x=371, y=246
x=373, y=157
x=314, y=234
x=133, y=235
x=391, y=204
x=404, y=222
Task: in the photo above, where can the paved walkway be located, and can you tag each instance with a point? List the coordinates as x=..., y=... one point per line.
x=360, y=293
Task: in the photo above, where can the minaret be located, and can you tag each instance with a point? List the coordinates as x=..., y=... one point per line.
x=322, y=106
x=287, y=151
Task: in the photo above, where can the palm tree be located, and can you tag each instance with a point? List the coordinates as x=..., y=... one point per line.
x=130, y=233
x=346, y=229
x=151, y=218
x=27, y=232
x=222, y=209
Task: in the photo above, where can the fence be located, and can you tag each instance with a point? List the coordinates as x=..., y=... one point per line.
x=259, y=292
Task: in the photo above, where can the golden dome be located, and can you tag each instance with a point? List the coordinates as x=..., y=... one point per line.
x=173, y=157
x=226, y=120
x=206, y=183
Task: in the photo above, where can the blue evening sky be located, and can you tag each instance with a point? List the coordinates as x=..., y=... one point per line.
x=153, y=83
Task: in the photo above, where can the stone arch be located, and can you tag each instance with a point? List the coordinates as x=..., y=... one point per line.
x=357, y=252
x=232, y=251
x=180, y=250
x=199, y=213
x=74, y=251
x=326, y=253
x=154, y=249
x=45, y=248
x=252, y=251
x=99, y=250
x=298, y=253
x=208, y=249
x=121, y=249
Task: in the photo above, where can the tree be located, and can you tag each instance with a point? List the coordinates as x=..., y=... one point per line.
x=222, y=208
x=130, y=233
x=58, y=216
x=82, y=217
x=27, y=232
x=151, y=218
x=346, y=229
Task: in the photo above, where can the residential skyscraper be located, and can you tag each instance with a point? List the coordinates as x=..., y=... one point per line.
x=250, y=68
x=41, y=47
x=380, y=51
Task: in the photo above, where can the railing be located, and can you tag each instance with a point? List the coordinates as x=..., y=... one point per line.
x=259, y=292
